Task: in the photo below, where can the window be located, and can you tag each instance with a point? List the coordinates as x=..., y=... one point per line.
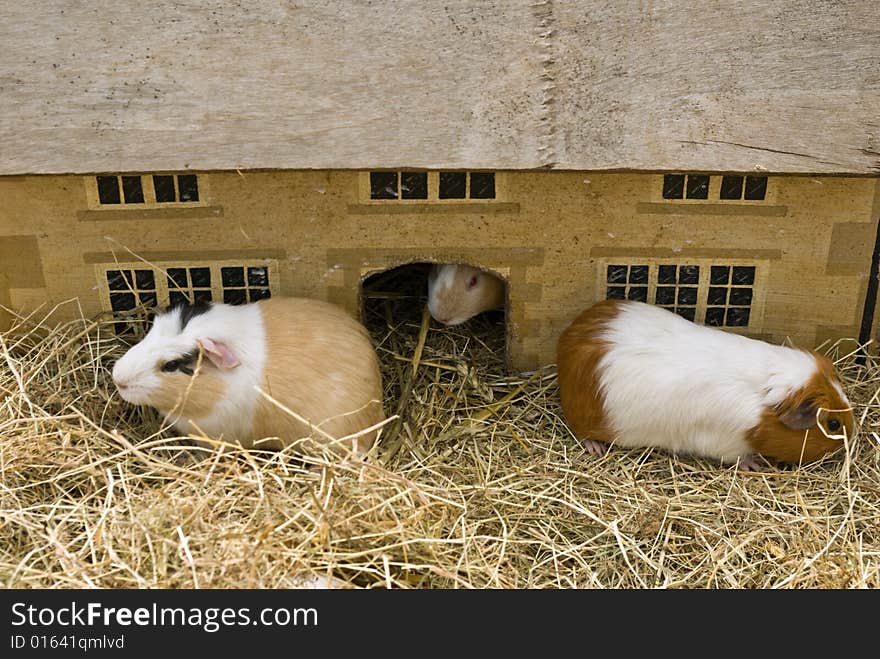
x=168, y=188
x=628, y=282
x=154, y=190
x=398, y=185
x=717, y=294
x=189, y=285
x=432, y=186
x=677, y=287
x=466, y=185
x=127, y=289
x=674, y=186
x=755, y=187
x=133, y=292
x=701, y=186
x=241, y=285
x=729, y=300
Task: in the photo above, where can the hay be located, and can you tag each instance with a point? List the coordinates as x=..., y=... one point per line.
x=481, y=486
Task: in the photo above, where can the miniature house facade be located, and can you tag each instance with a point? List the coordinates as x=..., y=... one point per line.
x=773, y=257
x=724, y=166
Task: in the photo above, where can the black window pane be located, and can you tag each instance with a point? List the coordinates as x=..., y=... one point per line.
x=687, y=312
x=123, y=329
x=737, y=317
x=720, y=274
x=145, y=279
x=148, y=299
x=258, y=277
x=202, y=296
x=189, y=187
x=132, y=190
x=414, y=185
x=164, y=187
x=119, y=280
x=108, y=189
x=715, y=317
x=234, y=296
x=260, y=294
x=482, y=185
x=176, y=298
x=638, y=293
x=756, y=187
x=697, y=186
x=201, y=277
x=732, y=187
x=689, y=274
x=717, y=296
x=687, y=296
x=232, y=276
x=383, y=185
x=452, y=185
x=741, y=296
x=638, y=274
x=665, y=295
x=616, y=274
x=666, y=274
x=616, y=292
x=122, y=301
x=744, y=275
x=673, y=186
x=177, y=277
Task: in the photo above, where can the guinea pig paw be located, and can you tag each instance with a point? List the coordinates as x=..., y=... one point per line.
x=750, y=463
x=595, y=448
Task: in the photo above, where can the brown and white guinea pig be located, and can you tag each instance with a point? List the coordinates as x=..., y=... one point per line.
x=459, y=292
x=640, y=376
x=309, y=355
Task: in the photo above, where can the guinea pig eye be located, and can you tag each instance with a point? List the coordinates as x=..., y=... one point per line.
x=833, y=425
x=170, y=367
x=472, y=281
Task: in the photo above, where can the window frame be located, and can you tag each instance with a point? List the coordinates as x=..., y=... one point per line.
x=759, y=287
x=433, y=182
x=148, y=189
x=163, y=290
x=714, y=193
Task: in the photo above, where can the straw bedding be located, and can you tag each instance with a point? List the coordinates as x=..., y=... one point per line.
x=478, y=483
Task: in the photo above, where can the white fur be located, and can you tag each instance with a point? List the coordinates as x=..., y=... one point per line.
x=441, y=278
x=444, y=277
x=670, y=383
x=239, y=327
x=839, y=390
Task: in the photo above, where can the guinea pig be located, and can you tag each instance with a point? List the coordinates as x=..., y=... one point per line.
x=642, y=376
x=458, y=292
x=201, y=366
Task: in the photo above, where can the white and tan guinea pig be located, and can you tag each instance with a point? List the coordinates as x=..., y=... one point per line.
x=310, y=356
x=459, y=292
x=640, y=376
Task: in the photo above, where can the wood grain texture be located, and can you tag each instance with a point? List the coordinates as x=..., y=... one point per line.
x=780, y=85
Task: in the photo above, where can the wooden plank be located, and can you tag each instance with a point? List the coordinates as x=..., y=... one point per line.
x=780, y=85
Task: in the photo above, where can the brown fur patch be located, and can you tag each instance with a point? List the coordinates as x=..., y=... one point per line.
x=321, y=364
x=773, y=439
x=578, y=352
x=190, y=397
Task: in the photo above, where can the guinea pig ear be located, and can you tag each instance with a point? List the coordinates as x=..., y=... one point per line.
x=219, y=354
x=801, y=417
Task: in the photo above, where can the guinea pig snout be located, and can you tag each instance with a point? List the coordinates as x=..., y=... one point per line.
x=121, y=383
x=125, y=382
